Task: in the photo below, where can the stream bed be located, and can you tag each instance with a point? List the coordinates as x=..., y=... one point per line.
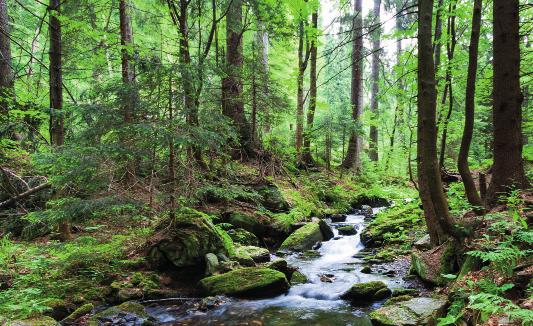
x=314, y=303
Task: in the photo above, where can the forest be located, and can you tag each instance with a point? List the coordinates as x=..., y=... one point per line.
x=266, y=162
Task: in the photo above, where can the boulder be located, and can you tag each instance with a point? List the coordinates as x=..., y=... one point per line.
x=258, y=254
x=37, y=321
x=367, y=211
x=79, y=312
x=366, y=269
x=347, y=230
x=243, y=237
x=416, y=311
x=366, y=292
x=59, y=308
x=303, y=238
x=335, y=218
x=298, y=278
x=248, y=222
x=403, y=291
x=186, y=241
x=211, y=264
x=272, y=199
x=431, y=265
x=327, y=232
x=423, y=243
x=282, y=266
x=246, y=282
x=128, y=313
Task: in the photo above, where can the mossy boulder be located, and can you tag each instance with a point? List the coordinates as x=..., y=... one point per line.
x=79, y=312
x=281, y=265
x=416, y=311
x=248, y=222
x=432, y=264
x=258, y=254
x=185, y=241
x=59, y=308
x=403, y=291
x=243, y=237
x=246, y=282
x=128, y=313
x=37, y=321
x=211, y=264
x=347, y=230
x=303, y=238
x=298, y=278
x=366, y=292
x=396, y=299
x=327, y=232
x=272, y=199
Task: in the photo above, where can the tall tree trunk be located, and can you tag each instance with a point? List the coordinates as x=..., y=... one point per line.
x=352, y=159
x=171, y=152
x=438, y=32
x=438, y=220
x=307, y=158
x=302, y=65
x=376, y=40
x=262, y=53
x=232, y=102
x=462, y=162
x=450, y=49
x=128, y=78
x=508, y=167
x=6, y=72
x=56, y=78
x=56, y=94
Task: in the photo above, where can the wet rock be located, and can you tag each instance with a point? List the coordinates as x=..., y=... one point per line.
x=282, y=266
x=211, y=264
x=423, y=243
x=257, y=254
x=209, y=303
x=335, y=218
x=303, y=238
x=327, y=278
x=127, y=294
x=311, y=254
x=243, y=237
x=327, y=232
x=366, y=270
x=246, y=282
x=416, y=311
x=347, y=230
x=366, y=292
x=389, y=272
x=317, y=245
x=79, y=312
x=367, y=211
x=337, y=238
x=431, y=265
x=396, y=299
x=298, y=278
x=127, y=314
x=403, y=291
x=188, y=239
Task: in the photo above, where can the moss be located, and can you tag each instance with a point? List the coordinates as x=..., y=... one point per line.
x=246, y=282
x=258, y=254
x=303, y=238
x=243, y=237
x=399, y=298
x=360, y=292
x=347, y=230
x=128, y=307
x=402, y=291
x=298, y=278
x=248, y=222
x=393, y=316
x=80, y=311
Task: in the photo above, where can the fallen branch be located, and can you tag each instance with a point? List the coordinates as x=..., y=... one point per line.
x=25, y=194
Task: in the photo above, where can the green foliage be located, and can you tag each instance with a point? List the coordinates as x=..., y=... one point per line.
x=491, y=304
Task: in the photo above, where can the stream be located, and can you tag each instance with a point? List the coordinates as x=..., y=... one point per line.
x=312, y=303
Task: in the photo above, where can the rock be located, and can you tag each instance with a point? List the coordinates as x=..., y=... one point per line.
x=367, y=211
x=402, y=291
x=188, y=239
x=211, y=264
x=347, y=230
x=298, y=278
x=317, y=245
x=258, y=254
x=35, y=230
x=366, y=292
x=281, y=265
x=59, y=308
x=416, y=311
x=327, y=278
x=246, y=282
x=79, y=312
x=423, y=243
x=366, y=270
x=37, y=321
x=272, y=199
x=470, y=264
x=311, y=254
x=396, y=299
x=337, y=238
x=209, y=303
x=243, y=237
x=128, y=313
x=248, y=222
x=335, y=218
x=303, y=238
x=389, y=272
x=327, y=232
x=431, y=265
x=128, y=294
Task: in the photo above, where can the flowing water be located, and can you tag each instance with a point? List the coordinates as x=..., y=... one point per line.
x=312, y=303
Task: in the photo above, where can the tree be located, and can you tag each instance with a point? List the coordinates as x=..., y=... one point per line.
x=352, y=159
x=6, y=71
x=232, y=102
x=462, y=162
x=307, y=158
x=302, y=66
x=435, y=206
x=376, y=38
x=508, y=166
x=56, y=76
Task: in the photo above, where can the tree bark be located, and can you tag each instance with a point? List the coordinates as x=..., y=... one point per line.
x=352, y=159
x=462, y=162
x=307, y=158
x=438, y=220
x=302, y=66
x=232, y=102
x=438, y=32
x=508, y=167
x=6, y=72
x=376, y=40
x=56, y=79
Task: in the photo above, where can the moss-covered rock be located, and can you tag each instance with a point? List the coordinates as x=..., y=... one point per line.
x=258, y=254
x=246, y=282
x=398, y=298
x=281, y=265
x=298, y=278
x=416, y=311
x=80, y=311
x=243, y=237
x=303, y=238
x=367, y=292
x=327, y=232
x=272, y=199
x=248, y=222
x=130, y=311
x=211, y=264
x=59, y=308
x=185, y=241
x=37, y=321
x=347, y=230
x=431, y=265
x=403, y=291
